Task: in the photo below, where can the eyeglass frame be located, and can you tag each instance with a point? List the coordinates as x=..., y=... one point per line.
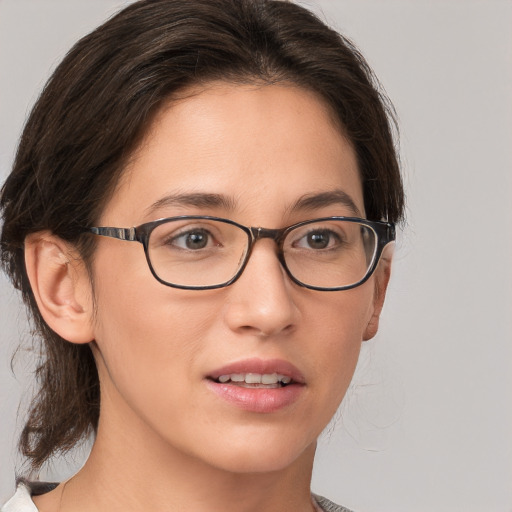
x=384, y=231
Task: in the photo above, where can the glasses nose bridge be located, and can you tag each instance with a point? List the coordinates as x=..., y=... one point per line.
x=259, y=233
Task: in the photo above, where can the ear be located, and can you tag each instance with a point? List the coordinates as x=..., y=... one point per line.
x=61, y=286
x=381, y=277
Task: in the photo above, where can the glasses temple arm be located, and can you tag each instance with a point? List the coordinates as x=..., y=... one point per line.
x=119, y=233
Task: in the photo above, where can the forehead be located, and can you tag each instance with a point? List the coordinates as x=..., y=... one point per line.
x=256, y=145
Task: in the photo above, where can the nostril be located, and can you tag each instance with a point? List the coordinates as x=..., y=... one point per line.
x=265, y=332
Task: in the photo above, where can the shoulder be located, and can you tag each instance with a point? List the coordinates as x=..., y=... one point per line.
x=326, y=505
x=22, y=499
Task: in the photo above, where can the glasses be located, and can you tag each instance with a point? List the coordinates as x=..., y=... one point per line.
x=196, y=252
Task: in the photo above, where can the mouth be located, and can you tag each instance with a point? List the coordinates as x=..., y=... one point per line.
x=257, y=385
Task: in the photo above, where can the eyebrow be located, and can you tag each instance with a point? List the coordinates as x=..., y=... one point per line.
x=218, y=201
x=323, y=199
x=197, y=199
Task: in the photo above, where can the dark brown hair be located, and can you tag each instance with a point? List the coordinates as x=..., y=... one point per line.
x=99, y=103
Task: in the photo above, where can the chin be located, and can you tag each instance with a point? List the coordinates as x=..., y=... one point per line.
x=258, y=457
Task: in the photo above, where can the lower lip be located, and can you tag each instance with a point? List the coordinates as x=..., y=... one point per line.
x=261, y=400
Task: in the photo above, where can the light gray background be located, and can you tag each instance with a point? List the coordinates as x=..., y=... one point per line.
x=427, y=424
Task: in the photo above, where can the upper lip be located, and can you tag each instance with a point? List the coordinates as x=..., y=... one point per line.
x=260, y=366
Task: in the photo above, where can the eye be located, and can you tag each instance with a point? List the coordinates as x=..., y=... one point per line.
x=318, y=239
x=193, y=240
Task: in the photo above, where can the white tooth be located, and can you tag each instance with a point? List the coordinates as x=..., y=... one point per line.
x=284, y=379
x=253, y=378
x=224, y=378
x=237, y=377
x=269, y=378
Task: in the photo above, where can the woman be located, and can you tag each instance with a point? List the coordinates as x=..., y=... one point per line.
x=200, y=218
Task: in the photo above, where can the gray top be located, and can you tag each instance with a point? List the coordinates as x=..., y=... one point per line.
x=327, y=506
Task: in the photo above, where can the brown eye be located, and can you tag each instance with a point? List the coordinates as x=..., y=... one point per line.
x=318, y=239
x=197, y=240
x=192, y=240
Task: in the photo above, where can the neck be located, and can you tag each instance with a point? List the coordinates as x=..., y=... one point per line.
x=135, y=469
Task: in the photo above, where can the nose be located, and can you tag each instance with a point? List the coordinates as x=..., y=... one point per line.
x=260, y=302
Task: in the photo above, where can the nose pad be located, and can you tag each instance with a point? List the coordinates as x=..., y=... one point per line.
x=260, y=301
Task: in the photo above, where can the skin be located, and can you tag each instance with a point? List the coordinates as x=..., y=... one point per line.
x=161, y=428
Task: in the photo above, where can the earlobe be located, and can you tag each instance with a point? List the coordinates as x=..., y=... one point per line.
x=382, y=275
x=60, y=285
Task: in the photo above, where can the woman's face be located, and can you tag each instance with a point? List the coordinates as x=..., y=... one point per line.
x=260, y=150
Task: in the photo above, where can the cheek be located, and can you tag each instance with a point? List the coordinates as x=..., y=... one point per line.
x=148, y=363
x=341, y=317
x=341, y=320
x=147, y=335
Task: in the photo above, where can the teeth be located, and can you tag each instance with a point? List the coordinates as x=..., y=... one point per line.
x=255, y=378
